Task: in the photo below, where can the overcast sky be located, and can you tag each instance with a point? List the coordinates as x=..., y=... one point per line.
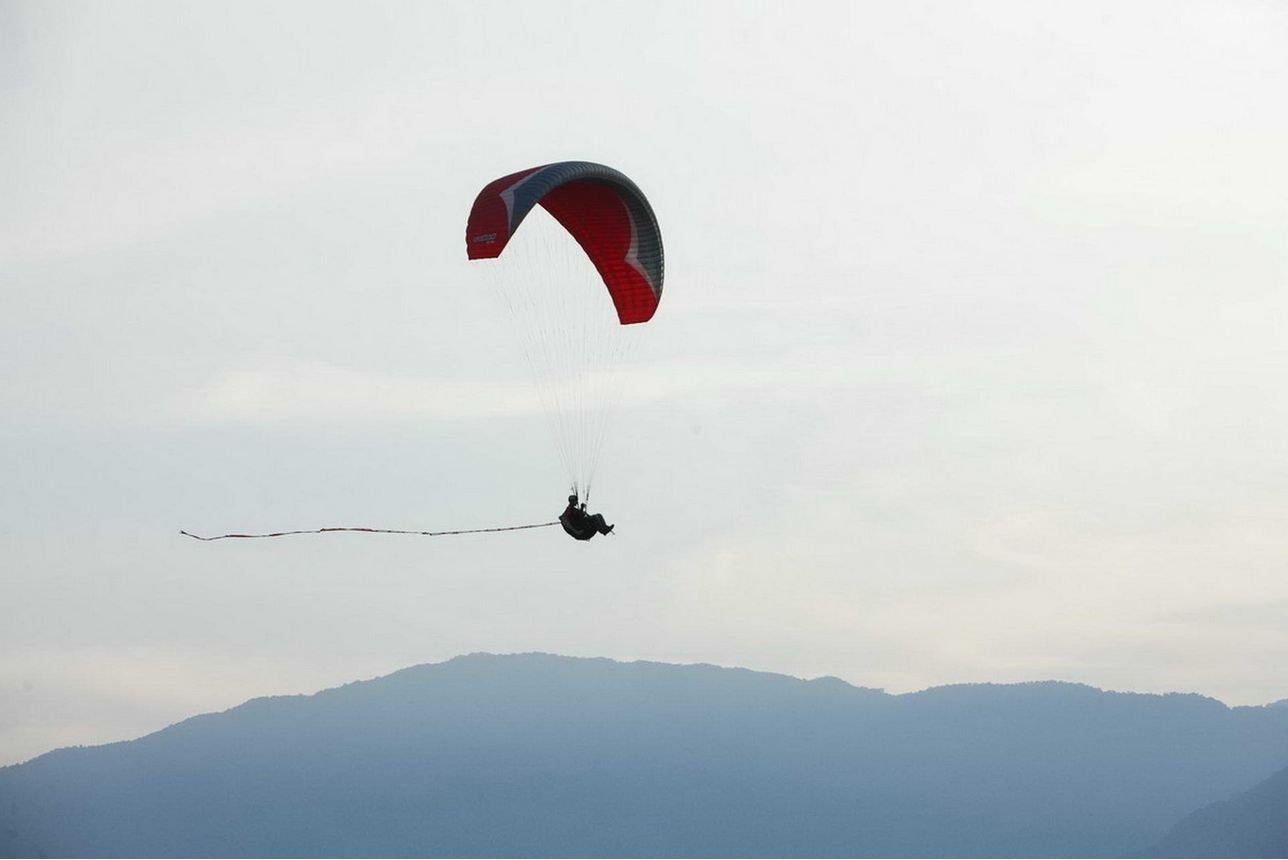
x=971, y=364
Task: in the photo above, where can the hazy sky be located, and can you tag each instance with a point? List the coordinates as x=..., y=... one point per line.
x=971, y=364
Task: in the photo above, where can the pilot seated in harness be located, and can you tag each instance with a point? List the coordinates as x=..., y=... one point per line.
x=581, y=525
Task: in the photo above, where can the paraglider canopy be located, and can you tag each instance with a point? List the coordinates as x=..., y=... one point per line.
x=600, y=207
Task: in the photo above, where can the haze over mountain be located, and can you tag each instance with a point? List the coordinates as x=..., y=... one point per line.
x=1253, y=823
x=539, y=755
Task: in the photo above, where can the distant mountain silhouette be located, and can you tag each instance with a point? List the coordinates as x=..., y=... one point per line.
x=1251, y=824
x=538, y=755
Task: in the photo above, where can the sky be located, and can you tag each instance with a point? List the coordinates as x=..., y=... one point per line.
x=970, y=364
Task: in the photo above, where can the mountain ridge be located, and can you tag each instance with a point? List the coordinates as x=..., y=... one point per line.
x=536, y=754
x=821, y=679
x=1252, y=823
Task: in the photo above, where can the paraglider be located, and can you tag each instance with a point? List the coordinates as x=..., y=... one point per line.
x=574, y=346
x=581, y=525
